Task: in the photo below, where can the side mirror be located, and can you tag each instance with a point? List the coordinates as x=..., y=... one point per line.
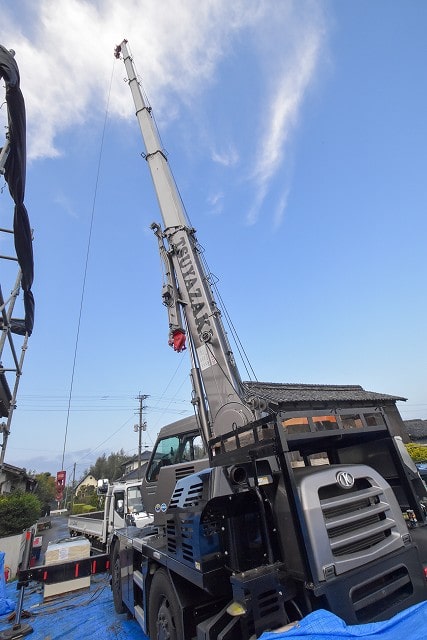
x=102, y=486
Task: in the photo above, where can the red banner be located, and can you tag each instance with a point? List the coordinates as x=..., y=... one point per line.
x=60, y=484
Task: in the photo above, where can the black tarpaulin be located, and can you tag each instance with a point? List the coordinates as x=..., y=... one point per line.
x=15, y=172
x=16, y=325
x=5, y=396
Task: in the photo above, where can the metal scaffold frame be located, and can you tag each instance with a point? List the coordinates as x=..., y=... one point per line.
x=16, y=324
x=13, y=347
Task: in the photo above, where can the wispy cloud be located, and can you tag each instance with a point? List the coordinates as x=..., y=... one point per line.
x=290, y=79
x=65, y=204
x=280, y=209
x=283, y=111
x=216, y=202
x=227, y=158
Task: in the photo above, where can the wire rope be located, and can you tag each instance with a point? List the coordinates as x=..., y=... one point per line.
x=212, y=280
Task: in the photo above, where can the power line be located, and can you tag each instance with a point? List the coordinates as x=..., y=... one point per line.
x=86, y=268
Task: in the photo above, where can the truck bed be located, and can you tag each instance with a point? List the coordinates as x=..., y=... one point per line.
x=43, y=524
x=89, y=524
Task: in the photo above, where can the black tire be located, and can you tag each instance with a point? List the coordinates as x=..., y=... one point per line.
x=164, y=613
x=116, y=579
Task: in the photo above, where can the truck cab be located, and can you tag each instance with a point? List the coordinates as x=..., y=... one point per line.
x=123, y=506
x=179, y=451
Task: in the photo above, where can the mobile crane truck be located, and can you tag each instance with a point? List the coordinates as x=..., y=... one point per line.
x=264, y=510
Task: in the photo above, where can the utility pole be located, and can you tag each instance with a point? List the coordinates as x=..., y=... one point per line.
x=140, y=427
x=72, y=488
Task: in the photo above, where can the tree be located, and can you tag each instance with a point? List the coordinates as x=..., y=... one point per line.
x=18, y=511
x=110, y=467
x=45, y=490
x=87, y=494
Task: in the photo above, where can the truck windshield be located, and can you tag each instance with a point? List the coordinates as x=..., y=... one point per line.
x=184, y=447
x=135, y=504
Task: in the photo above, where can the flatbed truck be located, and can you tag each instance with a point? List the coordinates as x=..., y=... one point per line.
x=122, y=504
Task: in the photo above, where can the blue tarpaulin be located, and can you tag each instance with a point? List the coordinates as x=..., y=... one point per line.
x=6, y=604
x=410, y=624
x=78, y=615
x=90, y=613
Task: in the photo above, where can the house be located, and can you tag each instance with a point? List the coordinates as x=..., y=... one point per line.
x=130, y=467
x=82, y=487
x=15, y=479
x=416, y=430
x=312, y=397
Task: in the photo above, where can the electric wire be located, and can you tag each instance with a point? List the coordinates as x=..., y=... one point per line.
x=86, y=267
x=167, y=387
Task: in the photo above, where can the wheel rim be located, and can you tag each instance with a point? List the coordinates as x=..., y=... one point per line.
x=165, y=622
x=116, y=575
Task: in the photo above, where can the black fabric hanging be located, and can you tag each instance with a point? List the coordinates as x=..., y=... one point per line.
x=15, y=172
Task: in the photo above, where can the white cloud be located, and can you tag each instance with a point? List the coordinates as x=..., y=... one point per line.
x=64, y=49
x=283, y=111
x=65, y=54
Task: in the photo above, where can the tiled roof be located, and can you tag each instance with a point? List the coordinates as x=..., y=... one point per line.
x=17, y=471
x=416, y=429
x=279, y=393
x=145, y=455
x=134, y=474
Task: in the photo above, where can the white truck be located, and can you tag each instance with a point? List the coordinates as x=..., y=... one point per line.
x=123, y=506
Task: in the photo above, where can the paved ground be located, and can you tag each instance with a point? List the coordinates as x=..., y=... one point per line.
x=59, y=531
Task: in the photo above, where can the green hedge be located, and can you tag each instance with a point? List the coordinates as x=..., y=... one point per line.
x=418, y=452
x=18, y=512
x=79, y=508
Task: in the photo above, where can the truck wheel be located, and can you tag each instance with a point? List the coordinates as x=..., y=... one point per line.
x=164, y=619
x=116, y=579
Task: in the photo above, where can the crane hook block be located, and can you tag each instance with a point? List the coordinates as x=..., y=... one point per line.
x=177, y=340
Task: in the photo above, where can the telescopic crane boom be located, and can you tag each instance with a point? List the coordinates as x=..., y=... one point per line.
x=193, y=313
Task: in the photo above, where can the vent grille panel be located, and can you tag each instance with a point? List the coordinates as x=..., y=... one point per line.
x=372, y=599
x=355, y=521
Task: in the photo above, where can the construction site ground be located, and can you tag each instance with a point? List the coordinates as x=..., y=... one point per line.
x=89, y=613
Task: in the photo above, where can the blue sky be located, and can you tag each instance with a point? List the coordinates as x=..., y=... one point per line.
x=297, y=134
